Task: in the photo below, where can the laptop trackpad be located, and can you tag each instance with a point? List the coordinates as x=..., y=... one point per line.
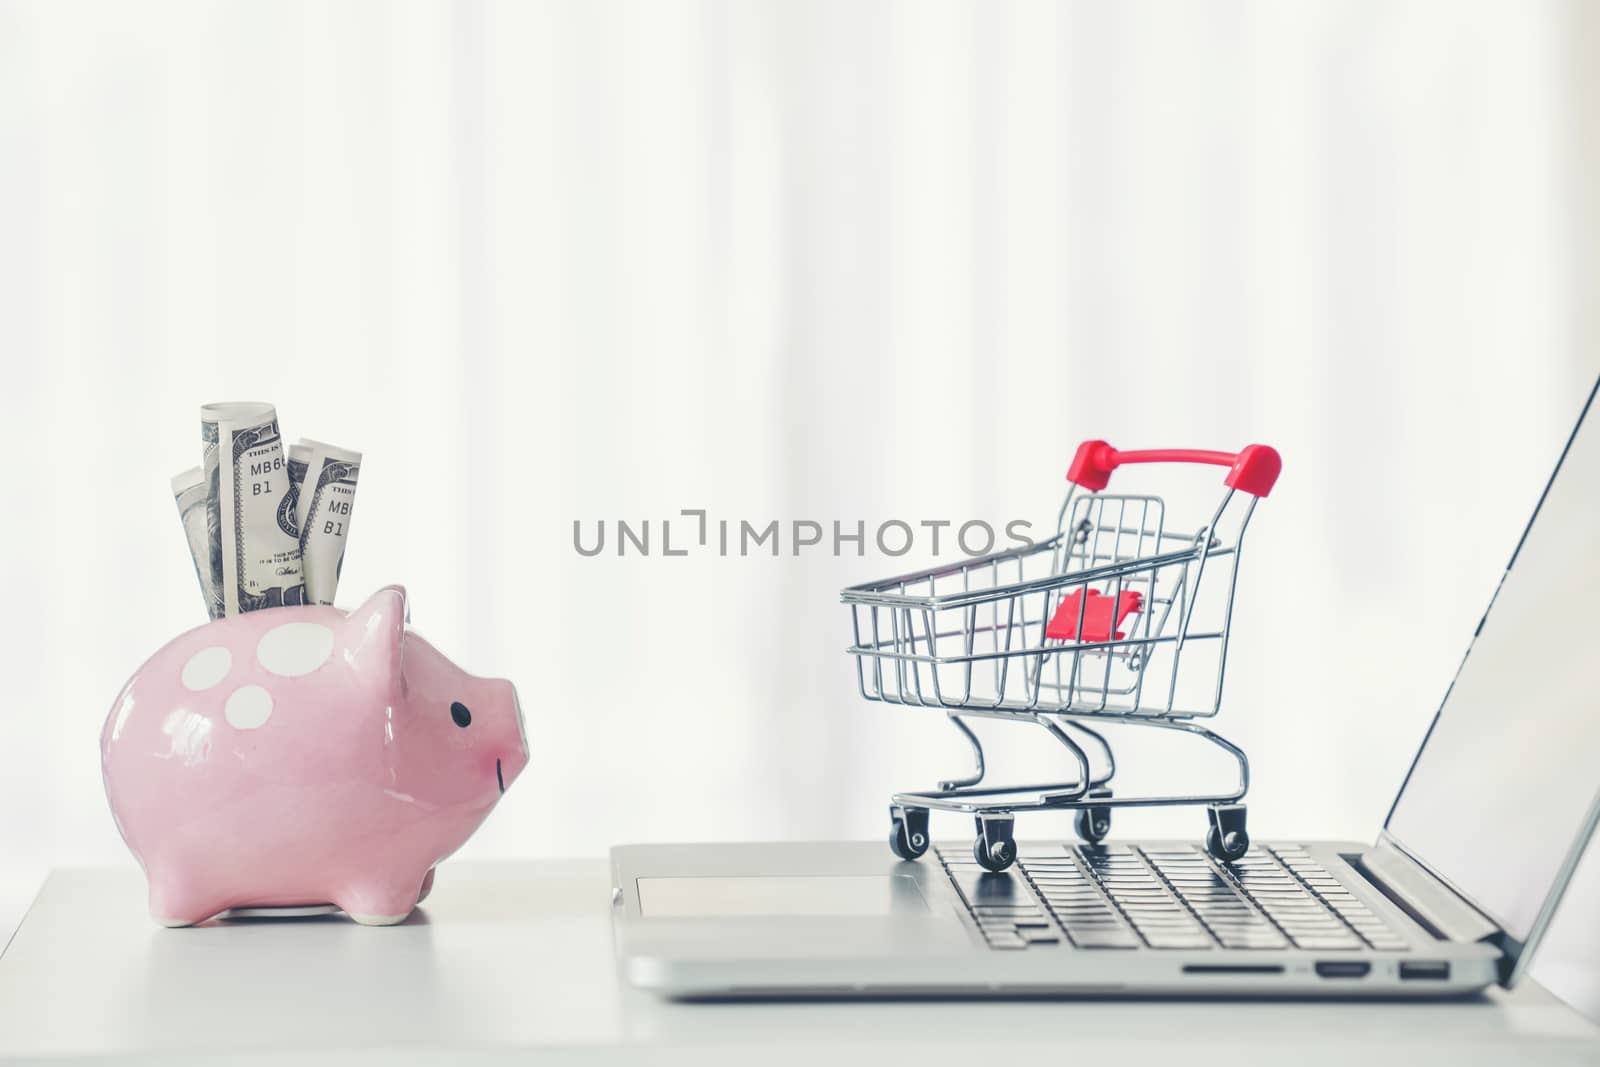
x=773, y=896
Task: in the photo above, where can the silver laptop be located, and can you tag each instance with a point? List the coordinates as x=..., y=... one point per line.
x=1465, y=875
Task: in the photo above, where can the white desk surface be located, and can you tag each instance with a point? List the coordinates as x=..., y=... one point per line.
x=512, y=962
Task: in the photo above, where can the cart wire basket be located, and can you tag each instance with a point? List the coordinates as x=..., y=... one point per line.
x=1120, y=617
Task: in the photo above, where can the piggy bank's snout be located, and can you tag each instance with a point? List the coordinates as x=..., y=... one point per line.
x=512, y=763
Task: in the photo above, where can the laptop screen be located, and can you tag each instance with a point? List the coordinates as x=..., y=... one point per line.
x=1504, y=790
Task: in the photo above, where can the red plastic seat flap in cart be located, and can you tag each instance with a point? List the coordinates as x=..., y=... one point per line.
x=1098, y=623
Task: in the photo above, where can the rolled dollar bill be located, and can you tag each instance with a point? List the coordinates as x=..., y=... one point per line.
x=251, y=537
x=327, y=499
x=189, y=490
x=299, y=458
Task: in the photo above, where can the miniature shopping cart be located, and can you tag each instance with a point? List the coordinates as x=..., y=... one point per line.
x=1119, y=618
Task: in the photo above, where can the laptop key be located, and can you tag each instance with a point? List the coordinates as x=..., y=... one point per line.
x=1179, y=943
x=1329, y=943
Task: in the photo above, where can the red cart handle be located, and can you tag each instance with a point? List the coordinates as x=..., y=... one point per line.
x=1254, y=468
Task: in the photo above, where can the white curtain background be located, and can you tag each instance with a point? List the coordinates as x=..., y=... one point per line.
x=547, y=262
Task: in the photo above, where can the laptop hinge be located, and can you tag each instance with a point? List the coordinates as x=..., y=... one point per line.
x=1425, y=898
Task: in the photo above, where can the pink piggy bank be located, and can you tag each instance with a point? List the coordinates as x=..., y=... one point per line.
x=298, y=756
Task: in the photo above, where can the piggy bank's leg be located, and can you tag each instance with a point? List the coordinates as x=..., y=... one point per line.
x=175, y=903
x=379, y=920
x=378, y=903
x=427, y=886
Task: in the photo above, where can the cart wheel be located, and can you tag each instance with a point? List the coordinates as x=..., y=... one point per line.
x=1093, y=824
x=996, y=846
x=908, y=833
x=994, y=857
x=908, y=837
x=1229, y=848
x=1227, y=839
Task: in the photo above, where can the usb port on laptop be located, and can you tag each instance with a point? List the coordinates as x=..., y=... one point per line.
x=1437, y=970
x=1343, y=968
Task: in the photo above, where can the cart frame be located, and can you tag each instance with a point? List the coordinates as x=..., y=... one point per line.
x=924, y=647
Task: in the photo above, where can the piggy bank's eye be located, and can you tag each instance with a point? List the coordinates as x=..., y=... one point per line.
x=459, y=712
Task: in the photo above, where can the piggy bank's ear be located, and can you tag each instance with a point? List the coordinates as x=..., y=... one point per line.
x=374, y=636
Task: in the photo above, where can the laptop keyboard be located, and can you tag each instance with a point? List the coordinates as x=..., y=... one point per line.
x=1128, y=896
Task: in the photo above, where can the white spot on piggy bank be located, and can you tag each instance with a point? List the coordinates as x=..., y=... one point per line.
x=206, y=668
x=331, y=768
x=295, y=648
x=249, y=707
